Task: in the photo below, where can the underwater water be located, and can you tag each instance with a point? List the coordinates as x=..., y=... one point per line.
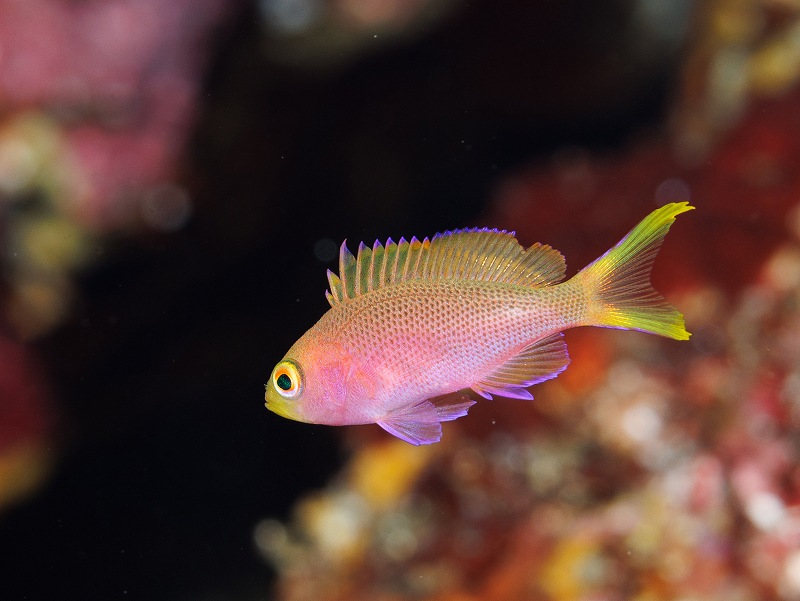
x=177, y=177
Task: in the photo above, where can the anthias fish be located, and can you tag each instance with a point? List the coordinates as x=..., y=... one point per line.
x=414, y=324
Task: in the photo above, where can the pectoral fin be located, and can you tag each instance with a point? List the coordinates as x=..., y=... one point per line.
x=420, y=423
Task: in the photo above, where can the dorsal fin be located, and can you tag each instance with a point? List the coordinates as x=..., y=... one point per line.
x=469, y=254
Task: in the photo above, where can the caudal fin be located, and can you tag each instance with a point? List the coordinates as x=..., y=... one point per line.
x=618, y=283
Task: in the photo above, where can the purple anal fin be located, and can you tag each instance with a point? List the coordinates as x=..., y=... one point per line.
x=419, y=423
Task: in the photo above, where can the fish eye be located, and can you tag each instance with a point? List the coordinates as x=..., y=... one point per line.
x=287, y=379
x=284, y=382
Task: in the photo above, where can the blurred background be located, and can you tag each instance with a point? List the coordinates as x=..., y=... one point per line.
x=176, y=177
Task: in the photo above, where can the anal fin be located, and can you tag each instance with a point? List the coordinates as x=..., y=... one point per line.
x=541, y=361
x=420, y=423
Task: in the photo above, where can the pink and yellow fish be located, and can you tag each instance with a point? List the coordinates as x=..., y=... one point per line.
x=413, y=325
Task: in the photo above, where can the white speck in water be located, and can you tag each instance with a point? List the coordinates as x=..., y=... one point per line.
x=641, y=422
x=271, y=537
x=166, y=207
x=325, y=250
x=290, y=16
x=673, y=189
x=765, y=510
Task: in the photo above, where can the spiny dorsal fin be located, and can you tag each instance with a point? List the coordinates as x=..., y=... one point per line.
x=469, y=254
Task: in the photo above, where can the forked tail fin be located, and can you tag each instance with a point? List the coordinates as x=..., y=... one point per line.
x=618, y=283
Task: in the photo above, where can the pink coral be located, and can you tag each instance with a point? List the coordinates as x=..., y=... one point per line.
x=121, y=76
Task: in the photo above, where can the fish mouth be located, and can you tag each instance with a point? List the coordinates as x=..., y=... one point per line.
x=281, y=409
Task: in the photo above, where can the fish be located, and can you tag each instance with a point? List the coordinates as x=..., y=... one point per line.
x=414, y=325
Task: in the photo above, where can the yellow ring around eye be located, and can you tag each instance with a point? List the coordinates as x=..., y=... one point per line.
x=287, y=379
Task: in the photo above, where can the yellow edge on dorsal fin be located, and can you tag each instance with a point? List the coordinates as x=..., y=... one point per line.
x=468, y=254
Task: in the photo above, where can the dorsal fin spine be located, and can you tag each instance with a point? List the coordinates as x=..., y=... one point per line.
x=471, y=261
x=499, y=264
x=518, y=271
x=377, y=273
x=460, y=263
x=421, y=254
x=474, y=261
x=418, y=258
x=371, y=282
x=444, y=260
x=342, y=273
x=490, y=254
x=410, y=262
x=390, y=255
x=346, y=261
x=399, y=259
x=363, y=282
x=430, y=269
x=382, y=270
x=335, y=285
x=493, y=258
x=360, y=267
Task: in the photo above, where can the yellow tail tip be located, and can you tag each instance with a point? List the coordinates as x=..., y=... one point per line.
x=619, y=281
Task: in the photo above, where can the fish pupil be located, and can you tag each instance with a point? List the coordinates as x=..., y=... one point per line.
x=284, y=382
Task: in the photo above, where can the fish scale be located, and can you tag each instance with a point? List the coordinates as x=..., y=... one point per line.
x=414, y=324
x=454, y=318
